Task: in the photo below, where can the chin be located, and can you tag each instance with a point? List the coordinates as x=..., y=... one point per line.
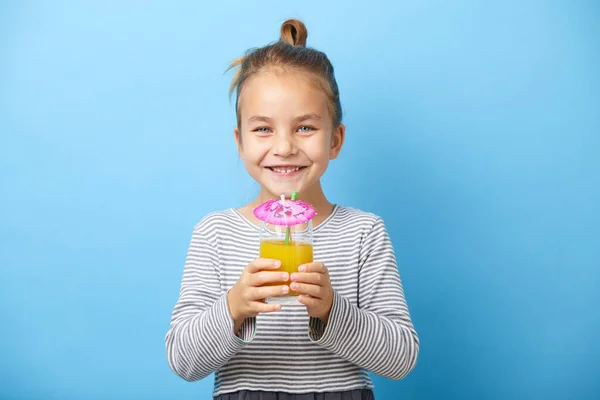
x=277, y=187
x=276, y=190
x=287, y=192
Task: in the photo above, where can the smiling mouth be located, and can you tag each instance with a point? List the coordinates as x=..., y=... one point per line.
x=286, y=170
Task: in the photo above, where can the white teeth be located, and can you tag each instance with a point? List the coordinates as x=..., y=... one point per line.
x=285, y=170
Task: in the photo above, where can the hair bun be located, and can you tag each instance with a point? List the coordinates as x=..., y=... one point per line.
x=294, y=32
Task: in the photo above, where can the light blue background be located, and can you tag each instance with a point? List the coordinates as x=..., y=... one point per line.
x=473, y=129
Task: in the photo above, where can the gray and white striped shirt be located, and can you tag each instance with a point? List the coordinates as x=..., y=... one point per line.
x=369, y=327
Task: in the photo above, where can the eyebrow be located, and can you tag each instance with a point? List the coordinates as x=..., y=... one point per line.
x=259, y=118
x=305, y=117
x=308, y=116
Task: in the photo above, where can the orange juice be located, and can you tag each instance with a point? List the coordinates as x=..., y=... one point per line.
x=291, y=255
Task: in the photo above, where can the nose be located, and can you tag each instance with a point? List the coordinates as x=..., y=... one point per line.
x=283, y=145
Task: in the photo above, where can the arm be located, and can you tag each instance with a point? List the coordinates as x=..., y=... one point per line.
x=201, y=337
x=378, y=334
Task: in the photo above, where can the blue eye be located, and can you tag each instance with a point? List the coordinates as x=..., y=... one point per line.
x=305, y=129
x=262, y=130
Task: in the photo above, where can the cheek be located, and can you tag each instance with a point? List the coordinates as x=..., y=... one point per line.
x=253, y=151
x=319, y=148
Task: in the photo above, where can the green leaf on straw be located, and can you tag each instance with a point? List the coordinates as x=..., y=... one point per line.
x=287, y=230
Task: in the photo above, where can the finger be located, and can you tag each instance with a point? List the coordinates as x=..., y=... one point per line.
x=260, y=293
x=313, y=267
x=263, y=277
x=307, y=300
x=260, y=307
x=314, y=278
x=307, y=288
x=262, y=263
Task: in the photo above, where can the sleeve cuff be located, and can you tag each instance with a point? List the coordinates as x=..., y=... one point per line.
x=325, y=335
x=247, y=330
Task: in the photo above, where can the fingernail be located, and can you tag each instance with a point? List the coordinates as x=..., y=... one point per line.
x=284, y=289
x=277, y=263
x=294, y=276
x=302, y=268
x=294, y=285
x=285, y=276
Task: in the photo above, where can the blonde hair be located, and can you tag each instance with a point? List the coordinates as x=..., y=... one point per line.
x=289, y=53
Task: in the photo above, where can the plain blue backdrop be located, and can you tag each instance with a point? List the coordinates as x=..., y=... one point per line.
x=473, y=130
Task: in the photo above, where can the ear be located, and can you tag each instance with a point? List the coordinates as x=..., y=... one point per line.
x=238, y=139
x=337, y=141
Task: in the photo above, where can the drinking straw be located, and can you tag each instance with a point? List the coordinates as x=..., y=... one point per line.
x=287, y=229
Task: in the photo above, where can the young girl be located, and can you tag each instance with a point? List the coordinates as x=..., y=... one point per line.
x=351, y=316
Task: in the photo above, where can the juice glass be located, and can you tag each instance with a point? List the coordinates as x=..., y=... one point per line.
x=292, y=245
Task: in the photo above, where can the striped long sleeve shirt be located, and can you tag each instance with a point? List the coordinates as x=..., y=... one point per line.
x=369, y=327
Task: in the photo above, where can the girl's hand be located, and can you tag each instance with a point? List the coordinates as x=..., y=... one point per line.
x=246, y=297
x=313, y=283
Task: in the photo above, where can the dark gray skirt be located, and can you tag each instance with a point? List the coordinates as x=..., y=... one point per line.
x=359, y=394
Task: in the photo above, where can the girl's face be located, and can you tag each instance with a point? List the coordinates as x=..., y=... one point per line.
x=286, y=135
